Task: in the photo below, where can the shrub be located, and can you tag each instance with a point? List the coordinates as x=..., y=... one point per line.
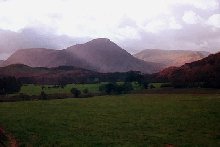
x=145, y=84
x=152, y=86
x=166, y=85
x=114, y=88
x=75, y=92
x=127, y=86
x=43, y=95
x=9, y=85
x=85, y=91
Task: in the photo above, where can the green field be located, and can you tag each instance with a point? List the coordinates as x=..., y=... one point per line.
x=125, y=120
x=32, y=89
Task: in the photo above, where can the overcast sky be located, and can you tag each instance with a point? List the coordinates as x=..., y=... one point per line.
x=133, y=24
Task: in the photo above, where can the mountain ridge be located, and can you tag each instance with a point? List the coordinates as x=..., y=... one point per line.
x=100, y=55
x=205, y=71
x=171, y=57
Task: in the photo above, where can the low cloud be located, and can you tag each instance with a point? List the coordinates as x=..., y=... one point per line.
x=191, y=17
x=190, y=37
x=133, y=24
x=34, y=38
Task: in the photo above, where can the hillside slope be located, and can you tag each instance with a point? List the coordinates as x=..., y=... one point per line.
x=205, y=72
x=106, y=56
x=43, y=75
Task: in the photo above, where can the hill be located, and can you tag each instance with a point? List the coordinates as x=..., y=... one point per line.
x=204, y=72
x=43, y=75
x=41, y=57
x=170, y=57
x=101, y=55
x=1, y=62
x=58, y=75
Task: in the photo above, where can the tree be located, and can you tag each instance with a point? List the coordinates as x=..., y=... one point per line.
x=127, y=86
x=144, y=84
x=43, y=95
x=152, y=86
x=114, y=88
x=85, y=91
x=108, y=88
x=134, y=76
x=9, y=85
x=75, y=92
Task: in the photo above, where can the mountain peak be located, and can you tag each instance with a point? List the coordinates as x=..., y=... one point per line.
x=101, y=40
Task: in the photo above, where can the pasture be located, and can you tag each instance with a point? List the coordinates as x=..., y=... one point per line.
x=31, y=89
x=124, y=120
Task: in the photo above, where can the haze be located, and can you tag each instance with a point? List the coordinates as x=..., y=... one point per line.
x=133, y=24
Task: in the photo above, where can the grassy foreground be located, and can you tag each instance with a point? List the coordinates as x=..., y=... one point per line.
x=130, y=120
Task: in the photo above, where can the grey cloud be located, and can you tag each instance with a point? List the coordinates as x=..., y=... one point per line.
x=191, y=37
x=200, y=36
x=126, y=21
x=34, y=38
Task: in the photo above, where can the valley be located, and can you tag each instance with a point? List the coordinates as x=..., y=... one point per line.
x=82, y=96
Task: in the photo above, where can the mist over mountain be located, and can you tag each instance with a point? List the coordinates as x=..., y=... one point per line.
x=100, y=55
x=40, y=37
x=171, y=57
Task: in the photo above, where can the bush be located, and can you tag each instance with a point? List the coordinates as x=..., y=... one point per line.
x=43, y=95
x=152, y=86
x=166, y=85
x=145, y=84
x=127, y=86
x=75, y=92
x=114, y=88
x=85, y=91
x=9, y=85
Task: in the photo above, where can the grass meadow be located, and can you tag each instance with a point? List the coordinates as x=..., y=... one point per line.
x=31, y=89
x=124, y=120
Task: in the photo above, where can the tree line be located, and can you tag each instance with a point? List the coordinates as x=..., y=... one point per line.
x=9, y=85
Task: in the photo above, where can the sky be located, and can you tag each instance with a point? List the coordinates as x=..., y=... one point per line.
x=132, y=24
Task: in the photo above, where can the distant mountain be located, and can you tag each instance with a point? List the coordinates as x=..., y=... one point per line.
x=100, y=55
x=41, y=57
x=171, y=57
x=205, y=72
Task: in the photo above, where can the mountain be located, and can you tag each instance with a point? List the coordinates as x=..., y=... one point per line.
x=205, y=71
x=106, y=56
x=41, y=57
x=171, y=57
x=101, y=55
